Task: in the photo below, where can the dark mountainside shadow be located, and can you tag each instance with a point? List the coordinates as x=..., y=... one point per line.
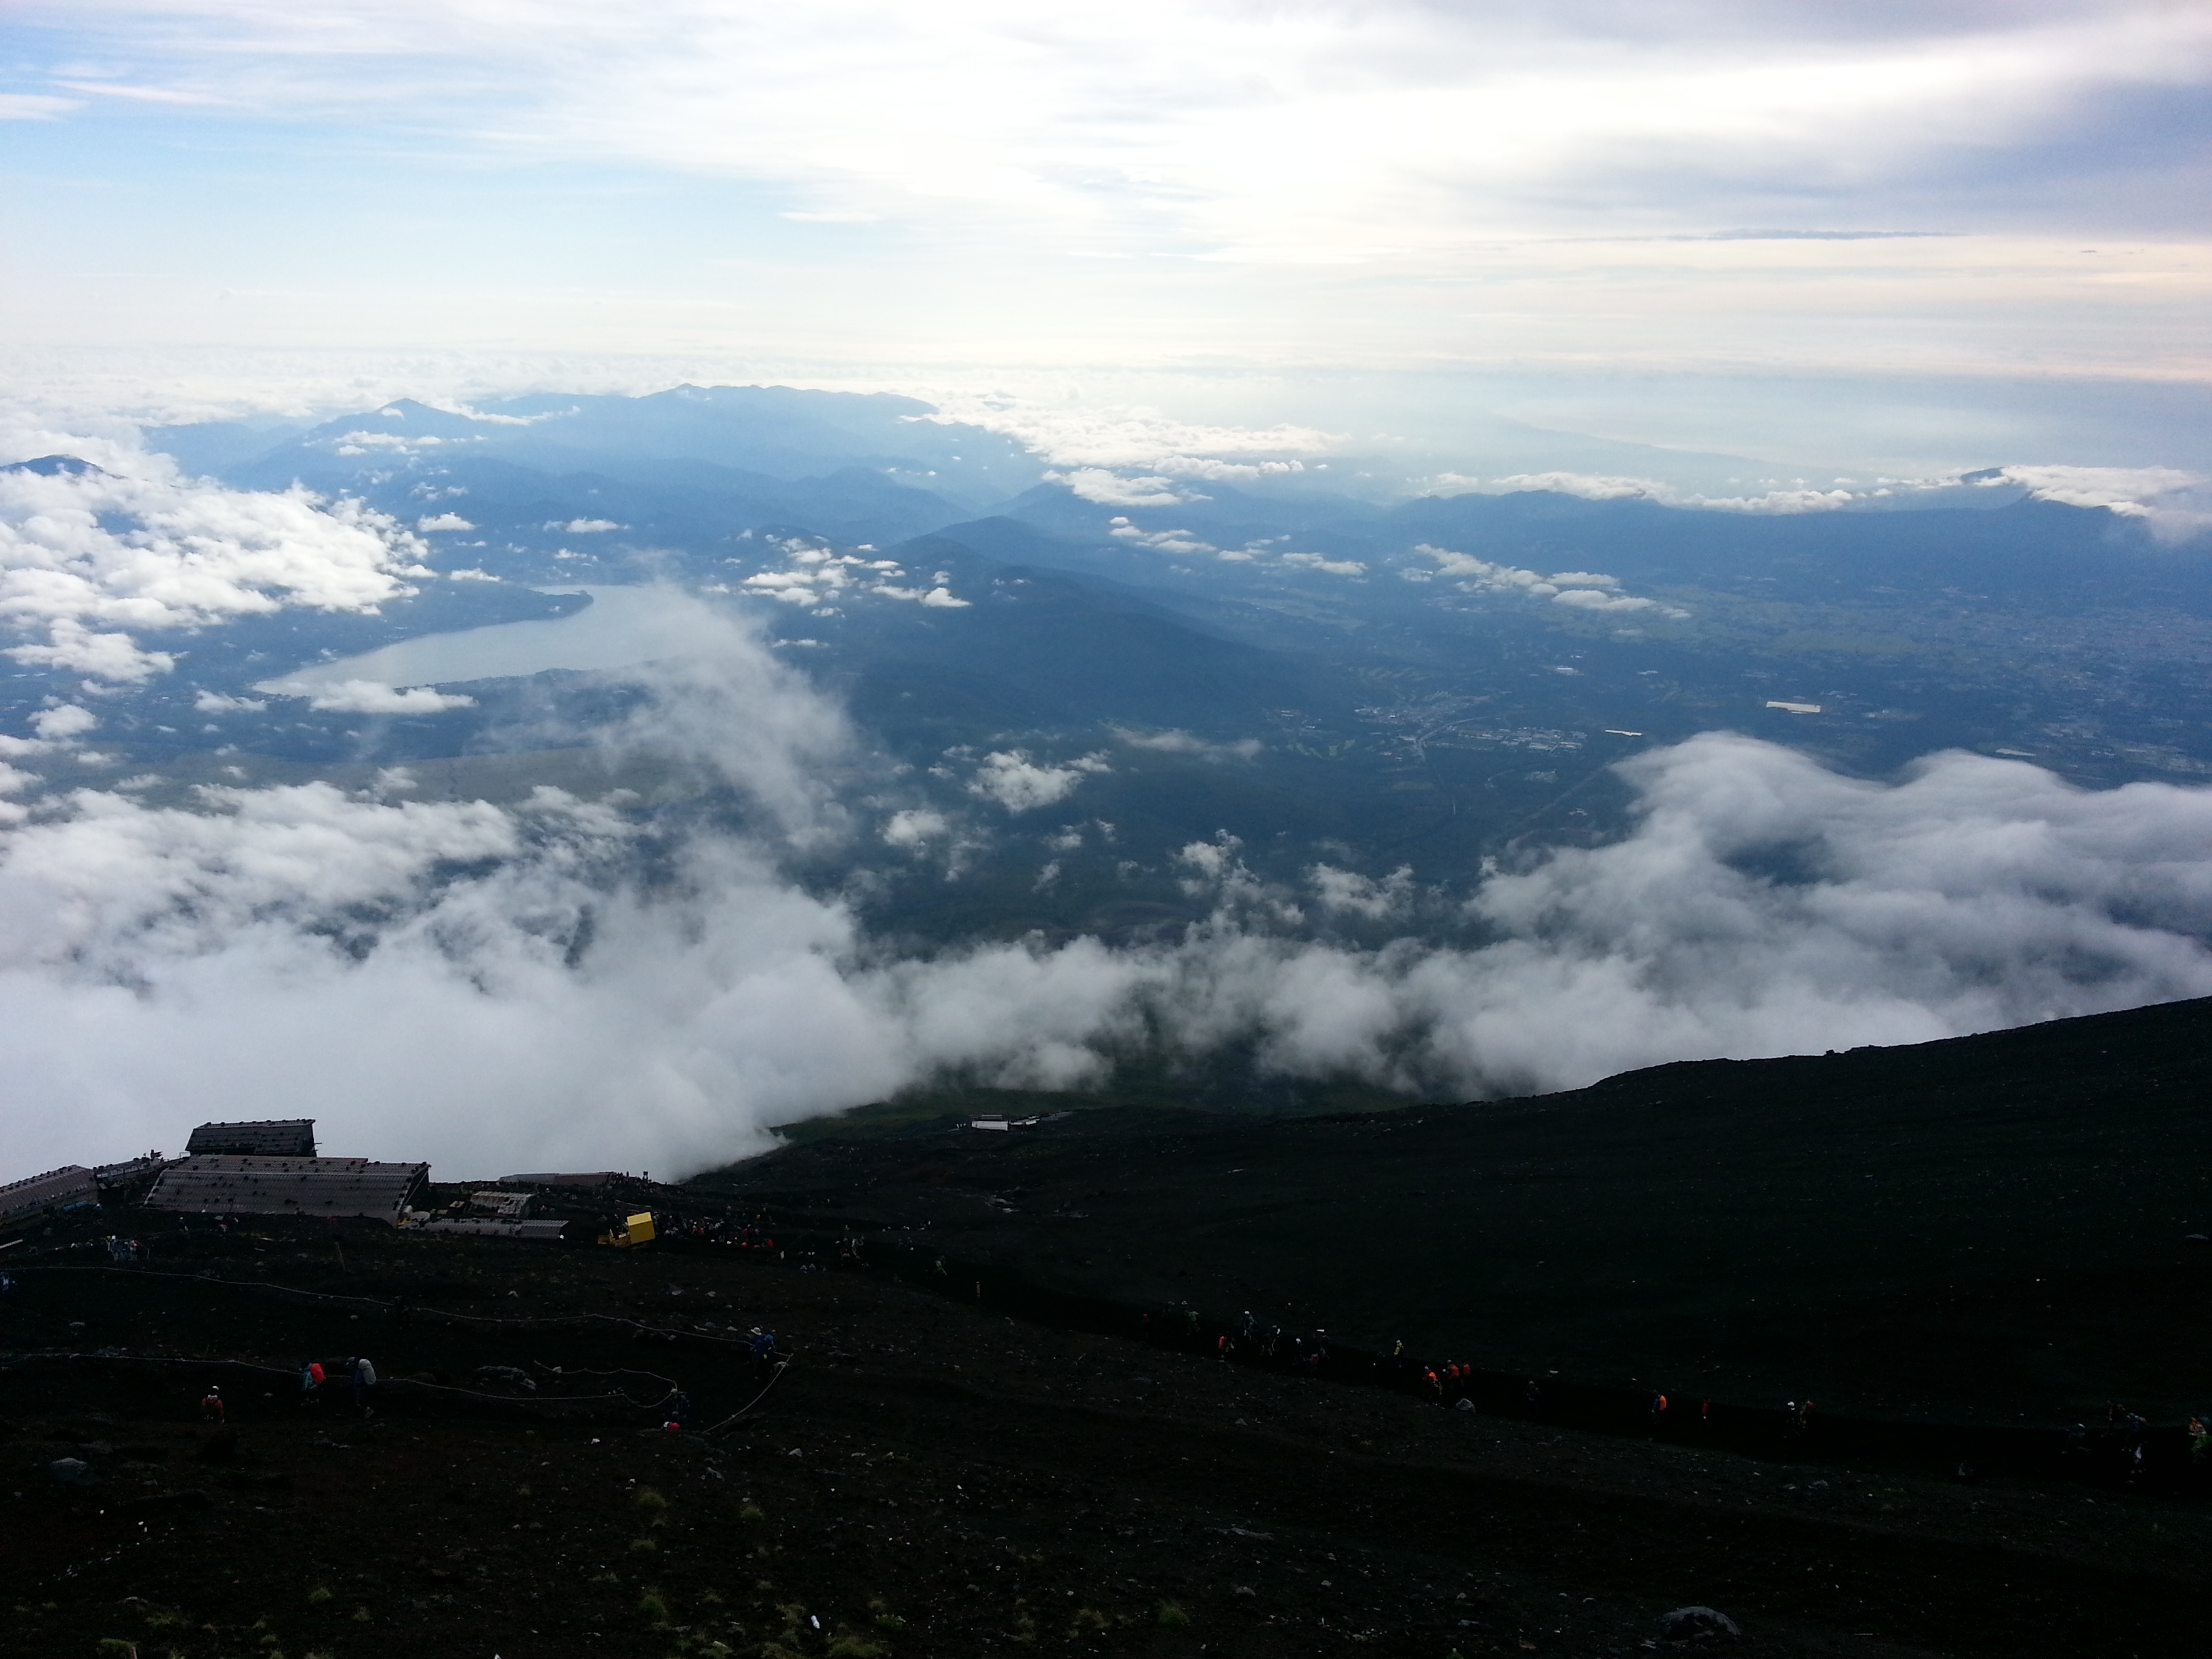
x=1992, y=1229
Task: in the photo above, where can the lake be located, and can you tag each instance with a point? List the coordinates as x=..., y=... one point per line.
x=621, y=627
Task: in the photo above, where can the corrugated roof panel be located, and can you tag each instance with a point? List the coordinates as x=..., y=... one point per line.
x=224, y=1185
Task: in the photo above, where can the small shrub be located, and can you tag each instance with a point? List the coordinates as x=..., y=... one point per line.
x=119, y=1648
x=888, y=1621
x=752, y=1515
x=1089, y=1621
x=1171, y=1614
x=856, y=1647
x=645, y=1499
x=653, y=1607
x=642, y=1547
x=361, y=1615
x=317, y=1597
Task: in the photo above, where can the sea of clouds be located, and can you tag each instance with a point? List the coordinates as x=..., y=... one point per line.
x=563, y=981
x=569, y=980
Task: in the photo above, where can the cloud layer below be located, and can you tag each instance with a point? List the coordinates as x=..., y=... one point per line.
x=565, y=982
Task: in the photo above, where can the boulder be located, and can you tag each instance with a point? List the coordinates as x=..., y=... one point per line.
x=1694, y=1624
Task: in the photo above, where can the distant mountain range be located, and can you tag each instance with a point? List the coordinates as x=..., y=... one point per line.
x=1423, y=681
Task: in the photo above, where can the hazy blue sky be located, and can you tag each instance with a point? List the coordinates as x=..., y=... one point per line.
x=1985, y=201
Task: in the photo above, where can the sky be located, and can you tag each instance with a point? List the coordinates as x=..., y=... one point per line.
x=1877, y=232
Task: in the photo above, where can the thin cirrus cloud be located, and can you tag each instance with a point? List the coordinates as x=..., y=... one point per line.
x=1217, y=120
x=1180, y=157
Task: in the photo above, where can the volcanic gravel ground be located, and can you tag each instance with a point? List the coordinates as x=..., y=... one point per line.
x=927, y=1478
x=1995, y=1229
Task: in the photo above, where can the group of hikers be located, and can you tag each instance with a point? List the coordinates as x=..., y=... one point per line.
x=2128, y=1444
x=314, y=1377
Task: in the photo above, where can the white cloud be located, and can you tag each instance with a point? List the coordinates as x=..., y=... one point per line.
x=1328, y=566
x=35, y=106
x=2172, y=501
x=1173, y=742
x=1215, y=861
x=913, y=827
x=1598, y=487
x=1378, y=900
x=816, y=578
x=580, y=526
x=2123, y=488
x=1160, y=541
x=393, y=443
x=437, y=521
x=1578, y=590
x=69, y=721
x=1594, y=598
x=1011, y=778
x=1094, y=483
x=87, y=561
x=1221, y=472
x=374, y=697
x=2169, y=499
x=935, y=598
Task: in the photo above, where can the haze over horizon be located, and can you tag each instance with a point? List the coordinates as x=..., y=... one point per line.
x=1444, y=549
x=1974, y=233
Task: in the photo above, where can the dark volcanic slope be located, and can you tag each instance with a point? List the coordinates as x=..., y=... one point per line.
x=929, y=1481
x=1991, y=1229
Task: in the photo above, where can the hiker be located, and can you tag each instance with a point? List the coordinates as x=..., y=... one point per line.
x=364, y=1385
x=311, y=1383
x=2200, y=1440
x=211, y=1405
x=1658, y=1409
